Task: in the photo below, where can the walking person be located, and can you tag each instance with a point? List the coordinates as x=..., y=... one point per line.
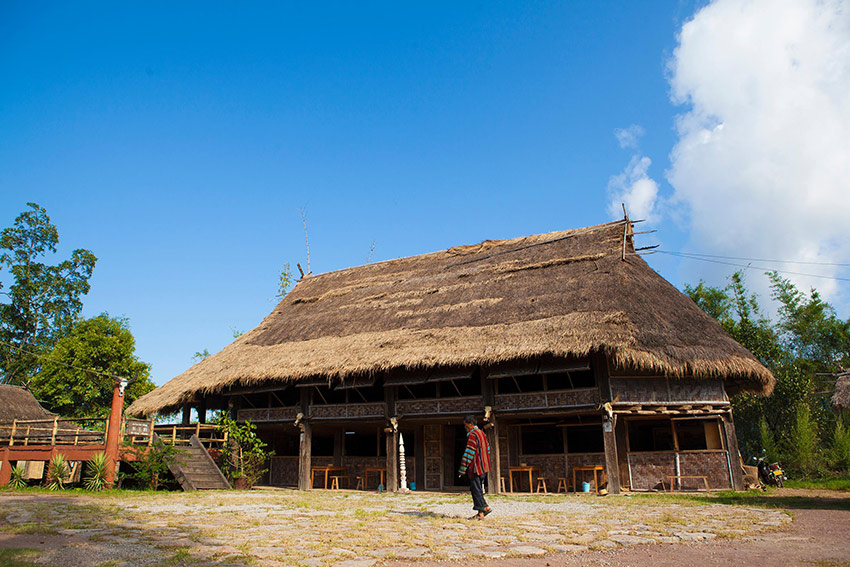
x=476, y=464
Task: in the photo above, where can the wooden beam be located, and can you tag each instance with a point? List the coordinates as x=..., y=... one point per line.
x=732, y=451
x=612, y=466
x=305, y=445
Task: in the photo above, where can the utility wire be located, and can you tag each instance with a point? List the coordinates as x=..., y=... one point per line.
x=757, y=259
x=746, y=266
x=89, y=370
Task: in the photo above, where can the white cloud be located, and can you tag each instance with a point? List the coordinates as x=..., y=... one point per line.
x=634, y=188
x=762, y=161
x=629, y=138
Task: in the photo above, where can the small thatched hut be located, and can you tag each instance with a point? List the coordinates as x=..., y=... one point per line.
x=18, y=403
x=571, y=350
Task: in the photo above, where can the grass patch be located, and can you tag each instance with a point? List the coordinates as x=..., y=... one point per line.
x=17, y=557
x=776, y=500
x=842, y=484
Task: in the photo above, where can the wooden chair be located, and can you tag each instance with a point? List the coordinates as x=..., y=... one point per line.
x=541, y=483
x=502, y=484
x=563, y=485
x=359, y=483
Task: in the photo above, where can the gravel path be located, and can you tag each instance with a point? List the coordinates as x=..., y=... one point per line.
x=273, y=528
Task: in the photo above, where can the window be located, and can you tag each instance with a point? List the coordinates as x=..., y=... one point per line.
x=460, y=388
x=417, y=391
x=585, y=439
x=650, y=435
x=541, y=440
x=365, y=445
x=698, y=434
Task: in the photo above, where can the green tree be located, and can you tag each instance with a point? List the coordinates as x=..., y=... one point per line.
x=43, y=301
x=102, y=344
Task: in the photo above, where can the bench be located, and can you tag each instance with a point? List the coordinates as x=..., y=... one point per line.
x=672, y=478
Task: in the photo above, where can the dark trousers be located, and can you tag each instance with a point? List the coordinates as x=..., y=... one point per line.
x=476, y=487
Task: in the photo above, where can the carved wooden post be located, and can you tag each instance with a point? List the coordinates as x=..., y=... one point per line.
x=114, y=429
x=392, y=439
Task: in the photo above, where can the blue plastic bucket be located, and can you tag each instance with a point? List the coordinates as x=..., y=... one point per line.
x=585, y=487
x=412, y=486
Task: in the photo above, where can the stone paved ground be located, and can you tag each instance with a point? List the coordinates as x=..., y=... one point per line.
x=348, y=528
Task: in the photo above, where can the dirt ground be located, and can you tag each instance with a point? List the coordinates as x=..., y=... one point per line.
x=360, y=529
x=819, y=536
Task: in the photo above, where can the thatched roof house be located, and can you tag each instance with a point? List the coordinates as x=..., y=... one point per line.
x=18, y=403
x=570, y=293
x=841, y=397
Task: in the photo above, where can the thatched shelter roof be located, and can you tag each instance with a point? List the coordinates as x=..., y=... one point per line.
x=565, y=293
x=17, y=403
x=841, y=397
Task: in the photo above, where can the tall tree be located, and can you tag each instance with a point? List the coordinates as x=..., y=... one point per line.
x=43, y=301
x=75, y=379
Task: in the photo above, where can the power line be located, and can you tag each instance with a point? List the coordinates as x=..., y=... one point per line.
x=89, y=370
x=746, y=266
x=757, y=259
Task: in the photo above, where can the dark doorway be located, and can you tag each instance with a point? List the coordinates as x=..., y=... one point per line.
x=458, y=434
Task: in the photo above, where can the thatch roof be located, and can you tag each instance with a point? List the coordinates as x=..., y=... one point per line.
x=841, y=397
x=565, y=293
x=17, y=403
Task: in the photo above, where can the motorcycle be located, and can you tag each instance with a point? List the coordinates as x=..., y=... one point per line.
x=770, y=473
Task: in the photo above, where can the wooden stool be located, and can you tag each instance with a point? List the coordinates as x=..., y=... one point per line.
x=359, y=482
x=562, y=484
x=335, y=482
x=541, y=483
x=502, y=483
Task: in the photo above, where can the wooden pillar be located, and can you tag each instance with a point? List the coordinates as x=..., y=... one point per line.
x=392, y=439
x=305, y=450
x=733, y=451
x=5, y=467
x=305, y=454
x=392, y=461
x=187, y=415
x=612, y=466
x=113, y=434
x=488, y=392
x=202, y=411
x=419, y=475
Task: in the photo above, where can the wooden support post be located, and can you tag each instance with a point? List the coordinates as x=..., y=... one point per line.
x=5, y=467
x=305, y=446
x=339, y=445
x=55, y=427
x=732, y=451
x=202, y=411
x=419, y=474
x=173, y=435
x=392, y=462
x=305, y=454
x=187, y=415
x=491, y=428
x=114, y=429
x=12, y=434
x=622, y=453
x=493, y=479
x=392, y=441
x=612, y=466
x=150, y=432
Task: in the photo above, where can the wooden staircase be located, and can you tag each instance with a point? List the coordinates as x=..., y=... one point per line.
x=196, y=469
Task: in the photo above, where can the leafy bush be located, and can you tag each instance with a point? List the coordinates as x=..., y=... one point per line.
x=57, y=470
x=152, y=461
x=245, y=455
x=18, y=478
x=840, y=451
x=96, y=472
x=803, y=446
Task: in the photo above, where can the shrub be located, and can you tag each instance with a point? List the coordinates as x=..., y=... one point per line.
x=152, y=461
x=840, y=450
x=245, y=455
x=57, y=470
x=803, y=447
x=96, y=472
x=18, y=478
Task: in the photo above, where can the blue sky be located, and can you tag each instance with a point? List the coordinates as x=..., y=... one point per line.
x=180, y=141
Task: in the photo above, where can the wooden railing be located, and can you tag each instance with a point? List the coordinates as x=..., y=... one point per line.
x=55, y=431
x=208, y=434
